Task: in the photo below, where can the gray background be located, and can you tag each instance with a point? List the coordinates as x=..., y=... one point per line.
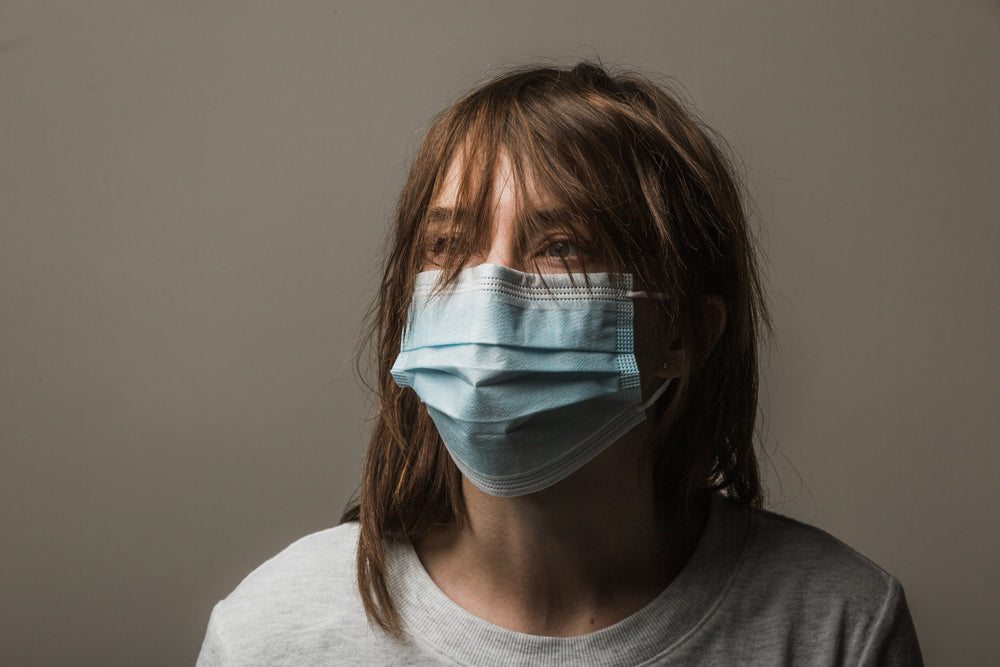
x=193, y=194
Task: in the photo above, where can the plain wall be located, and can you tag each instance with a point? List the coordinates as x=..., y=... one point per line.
x=193, y=195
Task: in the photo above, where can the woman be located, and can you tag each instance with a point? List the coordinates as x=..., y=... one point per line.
x=562, y=467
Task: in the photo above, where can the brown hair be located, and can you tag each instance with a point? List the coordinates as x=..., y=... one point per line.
x=642, y=183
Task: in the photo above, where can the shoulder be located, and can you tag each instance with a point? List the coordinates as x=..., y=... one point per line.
x=797, y=585
x=307, y=571
x=305, y=592
x=797, y=554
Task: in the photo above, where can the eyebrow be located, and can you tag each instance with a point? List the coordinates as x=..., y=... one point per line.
x=440, y=215
x=546, y=216
x=552, y=216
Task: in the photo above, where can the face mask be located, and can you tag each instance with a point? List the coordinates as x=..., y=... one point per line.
x=527, y=378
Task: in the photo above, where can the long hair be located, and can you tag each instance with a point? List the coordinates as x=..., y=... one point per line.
x=646, y=186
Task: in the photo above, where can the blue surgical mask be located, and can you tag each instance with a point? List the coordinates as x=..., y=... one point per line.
x=526, y=377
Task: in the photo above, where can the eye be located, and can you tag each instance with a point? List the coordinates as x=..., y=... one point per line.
x=562, y=249
x=440, y=246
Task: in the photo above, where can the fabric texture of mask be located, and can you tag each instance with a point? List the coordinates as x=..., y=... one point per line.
x=526, y=377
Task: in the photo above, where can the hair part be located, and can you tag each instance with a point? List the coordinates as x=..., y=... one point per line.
x=647, y=187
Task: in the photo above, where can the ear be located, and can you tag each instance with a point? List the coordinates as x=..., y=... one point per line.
x=714, y=312
x=670, y=362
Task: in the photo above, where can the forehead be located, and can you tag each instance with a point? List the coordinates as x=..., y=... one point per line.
x=505, y=186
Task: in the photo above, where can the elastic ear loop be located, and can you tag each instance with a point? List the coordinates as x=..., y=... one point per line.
x=646, y=295
x=666, y=383
x=656, y=394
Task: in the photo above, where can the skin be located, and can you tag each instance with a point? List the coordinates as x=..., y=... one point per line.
x=592, y=549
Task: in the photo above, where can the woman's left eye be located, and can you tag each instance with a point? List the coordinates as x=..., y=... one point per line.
x=562, y=250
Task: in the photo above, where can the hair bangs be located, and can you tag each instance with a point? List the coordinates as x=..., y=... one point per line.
x=489, y=150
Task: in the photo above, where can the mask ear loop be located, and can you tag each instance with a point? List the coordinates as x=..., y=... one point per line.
x=666, y=383
x=646, y=295
x=656, y=394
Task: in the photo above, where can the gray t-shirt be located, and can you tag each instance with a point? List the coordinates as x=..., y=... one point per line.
x=760, y=589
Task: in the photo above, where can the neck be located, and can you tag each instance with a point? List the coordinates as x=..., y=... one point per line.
x=571, y=559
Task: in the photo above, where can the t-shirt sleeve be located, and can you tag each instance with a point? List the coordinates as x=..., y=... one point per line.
x=893, y=640
x=213, y=649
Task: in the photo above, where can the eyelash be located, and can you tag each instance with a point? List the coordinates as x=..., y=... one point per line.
x=438, y=248
x=573, y=250
x=437, y=245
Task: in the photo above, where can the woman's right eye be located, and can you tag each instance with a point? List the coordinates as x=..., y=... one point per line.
x=441, y=246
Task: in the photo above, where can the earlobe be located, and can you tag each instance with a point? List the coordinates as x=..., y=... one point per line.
x=670, y=363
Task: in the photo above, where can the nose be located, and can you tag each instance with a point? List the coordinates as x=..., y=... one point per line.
x=505, y=256
x=503, y=247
